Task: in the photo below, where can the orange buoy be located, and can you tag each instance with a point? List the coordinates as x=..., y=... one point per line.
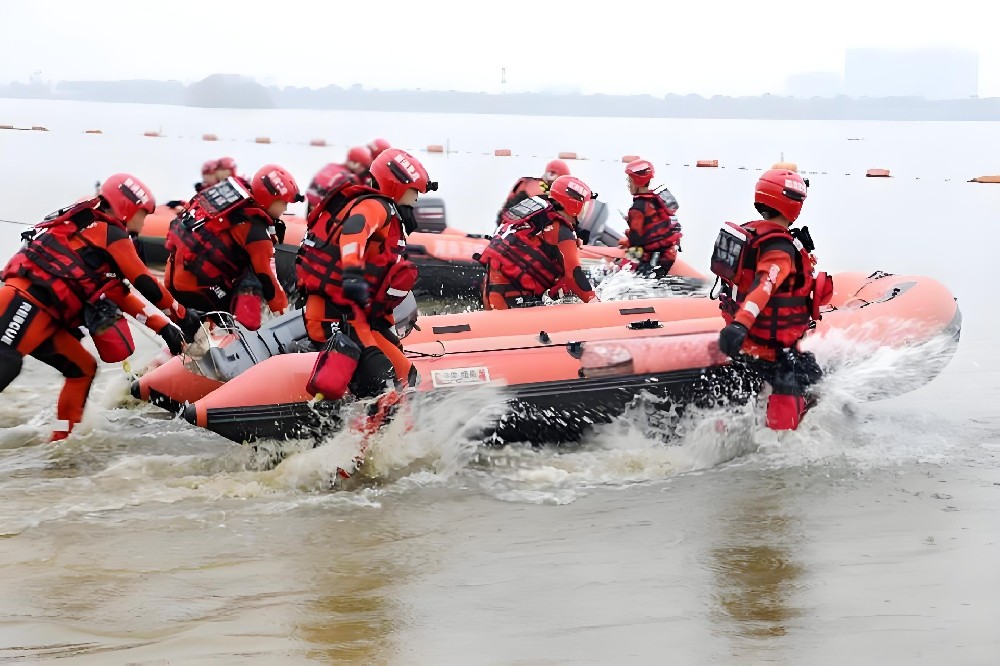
x=986, y=179
x=262, y=139
x=319, y=143
x=629, y=158
x=151, y=133
x=435, y=148
x=568, y=156
x=501, y=152
x=707, y=163
x=877, y=173
x=93, y=132
x=209, y=137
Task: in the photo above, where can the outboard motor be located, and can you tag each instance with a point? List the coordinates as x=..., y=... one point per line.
x=405, y=316
x=430, y=215
x=592, y=225
x=282, y=335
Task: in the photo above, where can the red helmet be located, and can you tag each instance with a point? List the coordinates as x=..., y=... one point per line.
x=226, y=163
x=558, y=167
x=395, y=171
x=209, y=167
x=640, y=171
x=273, y=183
x=327, y=177
x=781, y=190
x=571, y=193
x=126, y=195
x=377, y=146
x=361, y=155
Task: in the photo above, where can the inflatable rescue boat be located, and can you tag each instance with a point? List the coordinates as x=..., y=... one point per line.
x=443, y=254
x=563, y=367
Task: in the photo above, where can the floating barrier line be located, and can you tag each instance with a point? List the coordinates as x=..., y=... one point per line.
x=446, y=150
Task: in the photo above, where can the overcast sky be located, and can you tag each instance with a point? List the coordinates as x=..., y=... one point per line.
x=727, y=47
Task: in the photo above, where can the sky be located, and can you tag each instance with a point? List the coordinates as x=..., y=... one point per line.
x=720, y=47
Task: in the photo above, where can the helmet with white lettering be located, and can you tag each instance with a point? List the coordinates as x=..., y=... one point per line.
x=273, y=183
x=125, y=195
x=780, y=192
x=571, y=193
x=395, y=171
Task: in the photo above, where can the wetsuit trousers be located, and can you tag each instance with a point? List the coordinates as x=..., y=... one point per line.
x=383, y=363
x=28, y=329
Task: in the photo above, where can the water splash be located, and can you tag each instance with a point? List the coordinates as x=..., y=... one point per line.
x=623, y=284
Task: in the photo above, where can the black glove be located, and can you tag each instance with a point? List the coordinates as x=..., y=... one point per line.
x=731, y=339
x=355, y=287
x=174, y=338
x=191, y=323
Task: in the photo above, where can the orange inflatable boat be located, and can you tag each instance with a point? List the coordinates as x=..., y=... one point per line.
x=442, y=254
x=564, y=367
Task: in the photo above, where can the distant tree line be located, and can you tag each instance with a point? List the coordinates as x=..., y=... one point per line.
x=238, y=92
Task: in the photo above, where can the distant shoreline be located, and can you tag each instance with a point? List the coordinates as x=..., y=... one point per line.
x=226, y=91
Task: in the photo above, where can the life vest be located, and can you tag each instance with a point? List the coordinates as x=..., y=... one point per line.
x=794, y=307
x=518, y=250
x=319, y=269
x=201, y=239
x=661, y=229
x=66, y=270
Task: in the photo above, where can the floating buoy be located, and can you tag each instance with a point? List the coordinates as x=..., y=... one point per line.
x=435, y=148
x=986, y=179
x=707, y=163
x=93, y=132
x=262, y=139
x=877, y=173
x=39, y=128
x=151, y=133
x=319, y=143
x=501, y=152
x=568, y=156
x=209, y=137
x=629, y=158
x=790, y=166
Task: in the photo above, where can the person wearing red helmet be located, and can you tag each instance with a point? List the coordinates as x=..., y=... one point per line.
x=378, y=146
x=352, y=270
x=224, y=168
x=536, y=250
x=75, y=269
x=772, y=294
x=531, y=186
x=209, y=176
x=355, y=169
x=221, y=247
x=654, y=234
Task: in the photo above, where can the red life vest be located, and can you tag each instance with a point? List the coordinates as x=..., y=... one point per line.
x=794, y=307
x=66, y=269
x=201, y=238
x=661, y=230
x=519, y=251
x=318, y=266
